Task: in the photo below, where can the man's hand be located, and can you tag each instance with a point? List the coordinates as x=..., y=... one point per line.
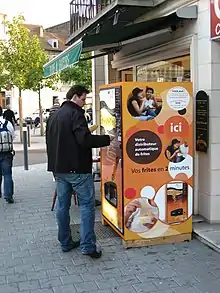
x=112, y=137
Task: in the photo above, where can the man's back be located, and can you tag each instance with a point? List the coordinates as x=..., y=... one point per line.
x=69, y=141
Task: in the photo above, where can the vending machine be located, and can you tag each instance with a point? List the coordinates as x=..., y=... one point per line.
x=147, y=171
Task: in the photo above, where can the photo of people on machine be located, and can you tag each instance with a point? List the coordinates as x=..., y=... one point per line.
x=144, y=106
x=177, y=151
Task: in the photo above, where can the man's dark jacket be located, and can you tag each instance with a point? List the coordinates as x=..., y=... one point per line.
x=69, y=141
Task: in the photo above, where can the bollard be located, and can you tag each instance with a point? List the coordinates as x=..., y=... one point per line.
x=25, y=143
x=28, y=135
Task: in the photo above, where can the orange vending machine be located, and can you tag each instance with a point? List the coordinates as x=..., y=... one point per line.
x=147, y=171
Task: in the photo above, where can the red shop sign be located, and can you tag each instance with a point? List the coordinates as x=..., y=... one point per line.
x=215, y=19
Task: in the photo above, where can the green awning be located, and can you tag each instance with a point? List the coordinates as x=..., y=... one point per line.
x=65, y=59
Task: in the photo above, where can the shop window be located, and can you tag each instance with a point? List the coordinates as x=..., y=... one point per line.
x=172, y=70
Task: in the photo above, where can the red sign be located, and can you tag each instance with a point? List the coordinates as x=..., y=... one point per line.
x=215, y=18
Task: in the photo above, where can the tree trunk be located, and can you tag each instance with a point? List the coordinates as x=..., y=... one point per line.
x=41, y=114
x=20, y=116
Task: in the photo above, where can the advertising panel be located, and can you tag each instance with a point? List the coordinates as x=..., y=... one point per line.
x=111, y=157
x=157, y=128
x=215, y=19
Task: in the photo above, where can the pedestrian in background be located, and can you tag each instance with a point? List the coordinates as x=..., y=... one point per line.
x=69, y=150
x=7, y=135
x=10, y=116
x=55, y=107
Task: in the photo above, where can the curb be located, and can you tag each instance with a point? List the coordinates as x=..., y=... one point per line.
x=206, y=242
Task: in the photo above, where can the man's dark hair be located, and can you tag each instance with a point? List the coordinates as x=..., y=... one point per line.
x=78, y=90
x=149, y=88
x=1, y=111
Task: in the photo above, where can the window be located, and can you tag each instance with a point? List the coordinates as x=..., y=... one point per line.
x=175, y=70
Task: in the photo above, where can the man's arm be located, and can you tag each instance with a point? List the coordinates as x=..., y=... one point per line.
x=84, y=136
x=13, y=117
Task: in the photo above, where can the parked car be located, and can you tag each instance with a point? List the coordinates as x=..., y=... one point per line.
x=36, y=114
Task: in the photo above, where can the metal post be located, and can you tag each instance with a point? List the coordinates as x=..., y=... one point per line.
x=25, y=143
x=28, y=135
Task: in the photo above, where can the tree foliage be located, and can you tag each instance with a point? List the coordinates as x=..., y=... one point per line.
x=22, y=60
x=80, y=73
x=22, y=56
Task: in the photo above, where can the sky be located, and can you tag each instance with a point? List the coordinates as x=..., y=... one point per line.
x=44, y=12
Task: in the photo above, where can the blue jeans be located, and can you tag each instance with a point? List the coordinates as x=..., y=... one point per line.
x=83, y=186
x=6, y=171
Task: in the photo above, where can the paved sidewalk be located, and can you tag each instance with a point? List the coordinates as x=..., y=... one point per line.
x=31, y=260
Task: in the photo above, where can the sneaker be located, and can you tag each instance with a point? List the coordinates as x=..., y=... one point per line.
x=73, y=245
x=94, y=254
x=97, y=203
x=10, y=200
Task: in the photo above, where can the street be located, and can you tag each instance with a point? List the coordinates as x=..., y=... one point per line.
x=34, y=157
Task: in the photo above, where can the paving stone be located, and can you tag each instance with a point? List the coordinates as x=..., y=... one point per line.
x=86, y=287
x=9, y=288
x=108, y=284
x=29, y=285
x=49, y=283
x=19, y=277
x=165, y=284
x=124, y=289
x=127, y=280
x=64, y=289
x=145, y=287
x=187, y=290
x=75, y=270
x=23, y=269
x=57, y=272
x=71, y=279
x=43, y=291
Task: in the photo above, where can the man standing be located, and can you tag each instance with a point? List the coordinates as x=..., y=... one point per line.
x=9, y=115
x=69, y=151
x=6, y=156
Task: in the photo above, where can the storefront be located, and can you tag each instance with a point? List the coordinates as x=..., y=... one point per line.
x=168, y=41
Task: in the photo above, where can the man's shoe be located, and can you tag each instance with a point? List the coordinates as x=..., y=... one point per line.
x=94, y=254
x=97, y=203
x=73, y=245
x=10, y=200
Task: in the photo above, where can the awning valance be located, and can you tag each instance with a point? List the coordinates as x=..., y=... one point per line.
x=65, y=59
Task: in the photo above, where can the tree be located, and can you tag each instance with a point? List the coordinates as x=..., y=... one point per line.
x=80, y=73
x=3, y=76
x=22, y=59
x=37, y=82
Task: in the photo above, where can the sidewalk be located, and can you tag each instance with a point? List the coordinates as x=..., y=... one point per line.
x=37, y=142
x=32, y=262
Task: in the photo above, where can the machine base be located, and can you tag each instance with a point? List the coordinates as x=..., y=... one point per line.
x=157, y=241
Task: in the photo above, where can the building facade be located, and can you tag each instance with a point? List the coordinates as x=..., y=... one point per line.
x=175, y=40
